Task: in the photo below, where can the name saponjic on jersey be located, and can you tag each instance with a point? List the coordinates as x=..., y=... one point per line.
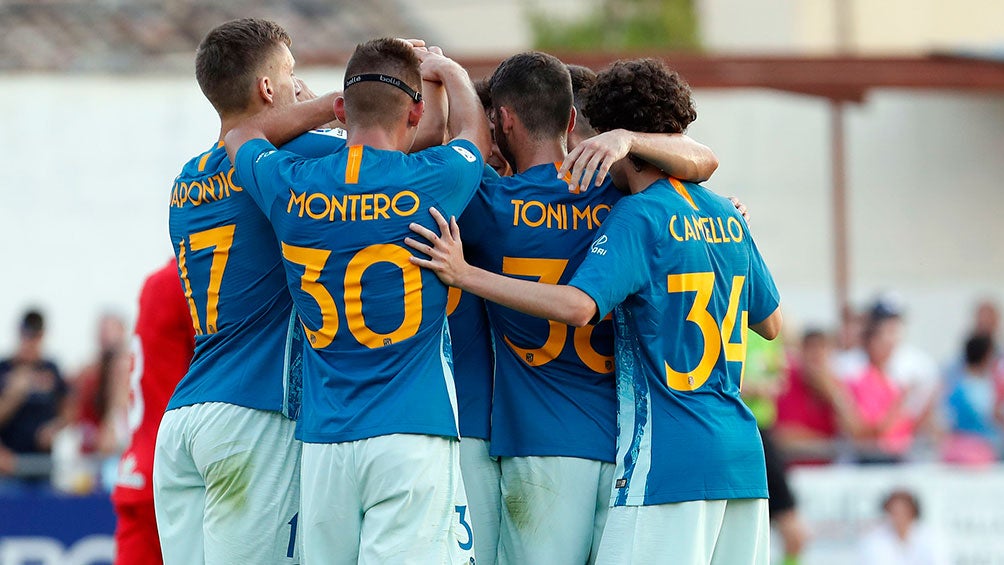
x=352, y=207
x=536, y=214
x=705, y=228
x=199, y=191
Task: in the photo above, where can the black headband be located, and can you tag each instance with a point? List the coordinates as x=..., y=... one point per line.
x=416, y=96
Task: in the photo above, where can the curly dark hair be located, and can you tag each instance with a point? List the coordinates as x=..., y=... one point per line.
x=641, y=95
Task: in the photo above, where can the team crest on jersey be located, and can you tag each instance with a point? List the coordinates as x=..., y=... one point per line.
x=597, y=246
x=465, y=153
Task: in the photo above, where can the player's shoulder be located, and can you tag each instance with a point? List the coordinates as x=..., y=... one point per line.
x=458, y=152
x=205, y=163
x=164, y=278
x=317, y=143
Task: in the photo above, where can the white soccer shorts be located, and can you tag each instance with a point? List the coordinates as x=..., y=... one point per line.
x=226, y=486
x=388, y=499
x=553, y=509
x=700, y=532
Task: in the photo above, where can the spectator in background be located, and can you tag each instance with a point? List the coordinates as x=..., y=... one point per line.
x=887, y=428
x=986, y=319
x=32, y=397
x=101, y=390
x=814, y=409
x=909, y=369
x=900, y=539
x=163, y=348
x=971, y=406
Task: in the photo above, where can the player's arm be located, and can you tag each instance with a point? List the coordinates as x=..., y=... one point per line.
x=676, y=154
x=466, y=118
x=770, y=327
x=432, y=128
x=279, y=125
x=561, y=303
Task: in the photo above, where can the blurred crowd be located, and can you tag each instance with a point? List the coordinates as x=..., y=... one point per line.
x=64, y=428
x=863, y=394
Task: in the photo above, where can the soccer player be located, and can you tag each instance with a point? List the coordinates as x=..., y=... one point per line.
x=380, y=471
x=226, y=466
x=582, y=79
x=678, y=267
x=162, y=350
x=554, y=404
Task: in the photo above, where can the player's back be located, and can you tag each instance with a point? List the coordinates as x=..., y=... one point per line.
x=685, y=434
x=378, y=360
x=232, y=275
x=554, y=388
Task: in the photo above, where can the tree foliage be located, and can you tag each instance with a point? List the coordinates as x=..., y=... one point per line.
x=621, y=25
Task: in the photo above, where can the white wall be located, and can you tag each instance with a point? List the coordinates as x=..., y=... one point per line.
x=86, y=165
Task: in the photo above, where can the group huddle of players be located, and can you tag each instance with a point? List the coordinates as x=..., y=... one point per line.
x=559, y=386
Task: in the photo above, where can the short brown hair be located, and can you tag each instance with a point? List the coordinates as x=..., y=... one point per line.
x=229, y=58
x=375, y=104
x=538, y=89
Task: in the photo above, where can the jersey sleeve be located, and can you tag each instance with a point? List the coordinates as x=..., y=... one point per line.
x=455, y=171
x=617, y=264
x=317, y=143
x=260, y=170
x=763, y=295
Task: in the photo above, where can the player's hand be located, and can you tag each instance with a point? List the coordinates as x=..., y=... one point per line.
x=741, y=208
x=434, y=64
x=594, y=155
x=446, y=252
x=303, y=92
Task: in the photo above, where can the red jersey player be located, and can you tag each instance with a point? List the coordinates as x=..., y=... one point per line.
x=162, y=349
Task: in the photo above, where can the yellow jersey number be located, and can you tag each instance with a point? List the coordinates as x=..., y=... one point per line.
x=716, y=338
x=219, y=239
x=314, y=261
x=549, y=271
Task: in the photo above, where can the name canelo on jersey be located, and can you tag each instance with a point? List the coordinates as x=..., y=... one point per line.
x=203, y=191
x=352, y=207
x=708, y=229
x=534, y=214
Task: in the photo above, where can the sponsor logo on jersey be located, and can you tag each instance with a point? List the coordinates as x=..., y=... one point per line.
x=597, y=246
x=464, y=153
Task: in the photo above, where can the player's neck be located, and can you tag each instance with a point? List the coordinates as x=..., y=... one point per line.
x=640, y=180
x=231, y=121
x=533, y=152
x=375, y=137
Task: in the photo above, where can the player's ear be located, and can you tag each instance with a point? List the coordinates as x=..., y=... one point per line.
x=415, y=113
x=340, y=109
x=571, y=120
x=264, y=88
x=505, y=119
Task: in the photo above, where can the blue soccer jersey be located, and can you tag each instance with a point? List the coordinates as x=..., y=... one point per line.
x=678, y=267
x=231, y=272
x=377, y=359
x=473, y=362
x=554, y=389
